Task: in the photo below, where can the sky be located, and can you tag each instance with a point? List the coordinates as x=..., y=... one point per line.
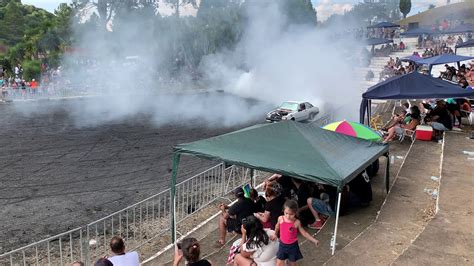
x=325, y=8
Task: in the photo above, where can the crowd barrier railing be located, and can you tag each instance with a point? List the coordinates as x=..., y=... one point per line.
x=138, y=224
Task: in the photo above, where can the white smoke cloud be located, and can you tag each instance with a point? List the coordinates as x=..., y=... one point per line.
x=281, y=63
x=296, y=63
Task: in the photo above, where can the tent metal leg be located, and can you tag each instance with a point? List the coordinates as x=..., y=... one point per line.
x=387, y=172
x=333, y=240
x=369, y=112
x=174, y=173
x=252, y=177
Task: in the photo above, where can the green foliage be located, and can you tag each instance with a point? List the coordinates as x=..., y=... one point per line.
x=405, y=7
x=31, y=69
x=299, y=11
x=12, y=23
x=365, y=13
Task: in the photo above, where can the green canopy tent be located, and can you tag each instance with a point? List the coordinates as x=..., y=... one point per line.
x=303, y=151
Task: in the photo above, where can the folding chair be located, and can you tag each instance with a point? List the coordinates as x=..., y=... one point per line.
x=407, y=133
x=376, y=122
x=468, y=115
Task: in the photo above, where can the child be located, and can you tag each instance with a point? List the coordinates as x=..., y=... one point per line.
x=189, y=248
x=288, y=226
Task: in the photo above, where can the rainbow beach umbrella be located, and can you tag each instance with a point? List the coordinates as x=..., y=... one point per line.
x=353, y=129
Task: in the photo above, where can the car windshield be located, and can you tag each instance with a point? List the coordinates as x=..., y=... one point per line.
x=289, y=105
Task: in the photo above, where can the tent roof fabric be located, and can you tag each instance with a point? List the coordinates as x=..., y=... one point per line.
x=377, y=41
x=443, y=59
x=417, y=32
x=384, y=25
x=300, y=150
x=411, y=58
x=416, y=86
x=469, y=43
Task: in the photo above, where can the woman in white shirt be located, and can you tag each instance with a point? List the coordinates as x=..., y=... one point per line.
x=257, y=248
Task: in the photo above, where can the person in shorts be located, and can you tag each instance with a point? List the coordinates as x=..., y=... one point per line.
x=231, y=218
x=321, y=210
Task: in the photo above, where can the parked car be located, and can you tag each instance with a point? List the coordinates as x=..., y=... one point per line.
x=293, y=110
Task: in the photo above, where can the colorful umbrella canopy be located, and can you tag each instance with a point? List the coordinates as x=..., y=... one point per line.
x=353, y=129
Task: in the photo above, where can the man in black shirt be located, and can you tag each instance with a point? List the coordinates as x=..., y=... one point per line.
x=231, y=218
x=441, y=119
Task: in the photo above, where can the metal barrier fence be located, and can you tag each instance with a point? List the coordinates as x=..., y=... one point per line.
x=137, y=224
x=15, y=94
x=324, y=120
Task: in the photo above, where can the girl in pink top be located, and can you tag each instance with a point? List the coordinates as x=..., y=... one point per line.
x=288, y=226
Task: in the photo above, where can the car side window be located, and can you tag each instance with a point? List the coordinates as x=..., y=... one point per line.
x=308, y=105
x=302, y=107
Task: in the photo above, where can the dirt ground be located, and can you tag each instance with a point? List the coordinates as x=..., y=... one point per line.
x=55, y=176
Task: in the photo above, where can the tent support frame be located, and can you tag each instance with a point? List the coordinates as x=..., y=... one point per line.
x=252, y=178
x=174, y=173
x=369, y=111
x=387, y=172
x=333, y=239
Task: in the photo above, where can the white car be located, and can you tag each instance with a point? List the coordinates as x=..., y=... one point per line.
x=293, y=110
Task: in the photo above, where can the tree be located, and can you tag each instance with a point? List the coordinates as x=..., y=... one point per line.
x=12, y=25
x=300, y=11
x=405, y=7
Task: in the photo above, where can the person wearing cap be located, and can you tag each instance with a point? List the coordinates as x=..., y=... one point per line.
x=231, y=216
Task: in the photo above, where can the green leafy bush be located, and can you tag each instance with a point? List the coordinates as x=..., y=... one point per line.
x=31, y=70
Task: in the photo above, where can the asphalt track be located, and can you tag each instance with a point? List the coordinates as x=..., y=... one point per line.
x=55, y=176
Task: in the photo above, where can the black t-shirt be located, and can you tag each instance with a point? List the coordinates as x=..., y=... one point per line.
x=443, y=117
x=275, y=207
x=200, y=263
x=286, y=184
x=302, y=194
x=259, y=205
x=242, y=209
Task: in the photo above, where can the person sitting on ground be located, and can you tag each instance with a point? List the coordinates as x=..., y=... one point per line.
x=455, y=110
x=284, y=181
x=103, y=262
x=466, y=106
x=231, y=216
x=120, y=257
x=440, y=119
x=273, y=207
x=257, y=248
x=321, y=210
x=259, y=201
x=189, y=248
x=415, y=120
x=401, y=46
x=302, y=193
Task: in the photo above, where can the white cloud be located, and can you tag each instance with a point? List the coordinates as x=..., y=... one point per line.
x=326, y=8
